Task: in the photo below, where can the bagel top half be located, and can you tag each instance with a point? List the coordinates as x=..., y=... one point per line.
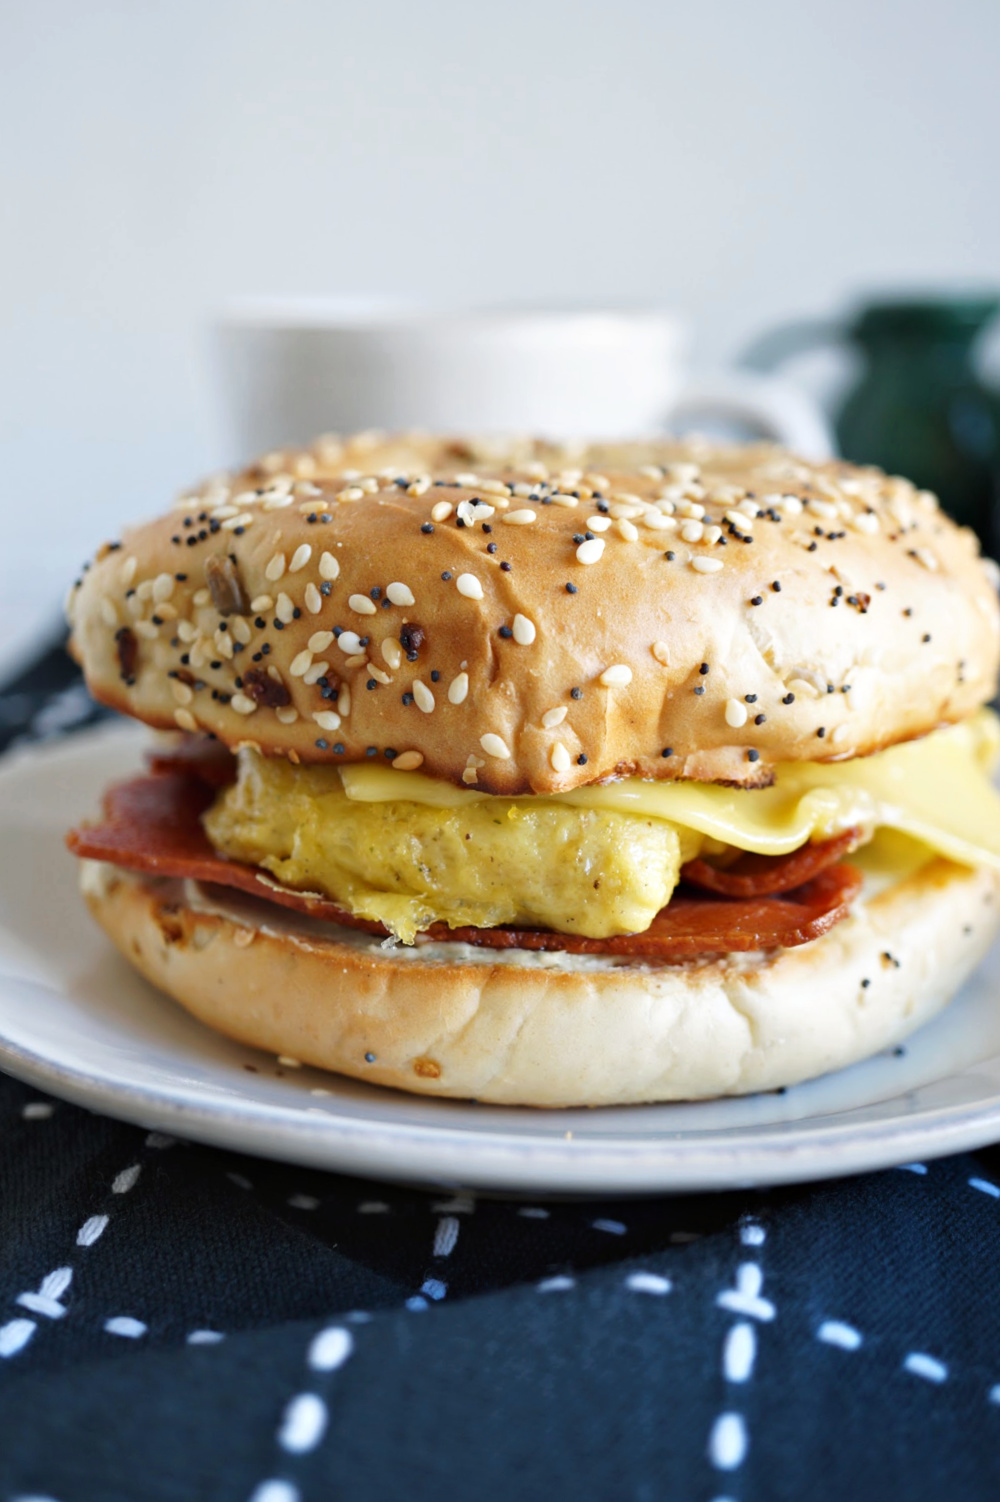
x=523, y=619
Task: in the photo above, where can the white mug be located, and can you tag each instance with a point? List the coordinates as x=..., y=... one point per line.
x=293, y=369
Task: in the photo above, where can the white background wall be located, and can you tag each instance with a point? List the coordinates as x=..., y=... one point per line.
x=739, y=161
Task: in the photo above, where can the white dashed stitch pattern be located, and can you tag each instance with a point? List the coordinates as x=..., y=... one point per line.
x=306, y=1417
x=16, y=1334
x=728, y=1440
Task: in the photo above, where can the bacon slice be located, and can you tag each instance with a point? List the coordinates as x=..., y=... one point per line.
x=197, y=756
x=760, y=875
x=153, y=824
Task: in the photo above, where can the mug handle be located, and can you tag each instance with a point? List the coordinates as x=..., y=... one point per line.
x=778, y=410
x=789, y=339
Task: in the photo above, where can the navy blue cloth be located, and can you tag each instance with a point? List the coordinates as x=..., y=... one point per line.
x=180, y=1323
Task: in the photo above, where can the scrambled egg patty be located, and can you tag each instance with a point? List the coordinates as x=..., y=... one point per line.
x=530, y=862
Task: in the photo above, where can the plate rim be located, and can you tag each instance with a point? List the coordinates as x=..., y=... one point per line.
x=617, y=1166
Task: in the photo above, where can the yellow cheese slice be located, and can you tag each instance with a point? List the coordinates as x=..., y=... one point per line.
x=937, y=790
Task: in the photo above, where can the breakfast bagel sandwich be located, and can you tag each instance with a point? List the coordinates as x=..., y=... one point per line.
x=637, y=772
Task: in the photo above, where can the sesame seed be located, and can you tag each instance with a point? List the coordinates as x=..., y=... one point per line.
x=505, y=567
x=576, y=693
x=559, y=757
x=553, y=717
x=655, y=520
x=361, y=605
x=427, y=527
x=469, y=586
x=753, y=755
x=458, y=688
x=581, y=760
x=736, y=714
x=407, y=761
x=616, y=676
x=627, y=531
x=821, y=732
x=598, y=523
x=590, y=550
x=441, y=511
x=301, y=663
x=776, y=586
x=670, y=557
x=287, y=714
x=329, y=568
x=788, y=699
x=706, y=565
x=314, y=673
x=314, y=600
x=284, y=610
x=327, y=719
x=667, y=751
x=349, y=642
x=320, y=640
x=243, y=704
x=400, y=594
x=522, y=518
x=661, y=651
x=185, y=719
x=275, y=568
x=392, y=653
x=759, y=719
x=423, y=696
x=524, y=630
x=505, y=632
x=494, y=746
x=757, y=600
x=571, y=589
x=692, y=531
x=300, y=558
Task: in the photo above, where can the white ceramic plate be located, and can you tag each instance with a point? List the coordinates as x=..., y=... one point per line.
x=76, y=1021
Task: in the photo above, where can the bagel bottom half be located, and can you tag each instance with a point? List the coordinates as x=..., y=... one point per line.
x=551, y=1029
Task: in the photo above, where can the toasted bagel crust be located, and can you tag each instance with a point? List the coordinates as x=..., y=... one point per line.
x=569, y=1031
x=859, y=615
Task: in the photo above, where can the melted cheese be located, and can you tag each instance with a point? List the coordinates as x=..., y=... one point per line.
x=937, y=790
